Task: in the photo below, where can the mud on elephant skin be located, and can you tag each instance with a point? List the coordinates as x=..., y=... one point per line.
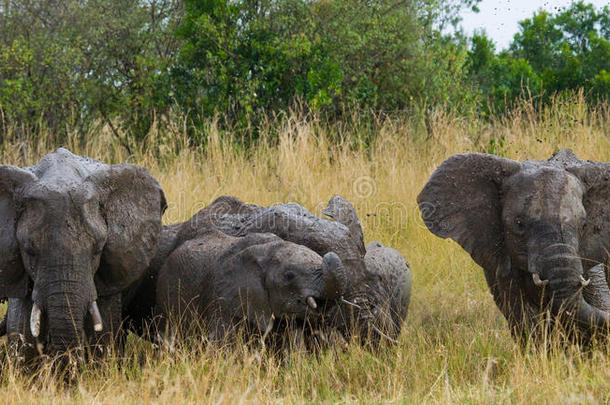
x=218, y=282
x=368, y=291
x=74, y=233
x=539, y=229
x=364, y=305
x=395, y=274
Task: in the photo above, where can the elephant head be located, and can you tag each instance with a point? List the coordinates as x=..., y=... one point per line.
x=536, y=228
x=259, y=277
x=73, y=232
x=294, y=279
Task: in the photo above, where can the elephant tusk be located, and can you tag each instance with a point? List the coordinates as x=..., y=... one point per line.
x=35, y=320
x=343, y=300
x=312, y=302
x=584, y=282
x=537, y=281
x=96, y=316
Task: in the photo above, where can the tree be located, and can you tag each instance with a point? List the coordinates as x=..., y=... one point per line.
x=552, y=53
x=244, y=59
x=67, y=64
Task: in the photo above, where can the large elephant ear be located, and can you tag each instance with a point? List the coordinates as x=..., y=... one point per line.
x=343, y=211
x=595, y=239
x=132, y=204
x=247, y=266
x=461, y=201
x=13, y=278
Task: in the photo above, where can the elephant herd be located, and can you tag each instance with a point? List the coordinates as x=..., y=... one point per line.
x=85, y=259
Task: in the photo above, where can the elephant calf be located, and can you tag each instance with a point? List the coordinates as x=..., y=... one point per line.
x=390, y=266
x=377, y=282
x=224, y=281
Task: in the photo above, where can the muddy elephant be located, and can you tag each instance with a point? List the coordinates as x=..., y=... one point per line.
x=219, y=282
x=74, y=234
x=369, y=305
x=539, y=229
x=395, y=274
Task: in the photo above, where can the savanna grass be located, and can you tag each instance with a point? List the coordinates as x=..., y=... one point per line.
x=455, y=345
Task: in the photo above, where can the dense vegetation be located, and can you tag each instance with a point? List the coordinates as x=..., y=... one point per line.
x=552, y=53
x=71, y=66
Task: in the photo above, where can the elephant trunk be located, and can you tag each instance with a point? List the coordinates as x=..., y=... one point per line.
x=65, y=317
x=566, y=284
x=334, y=277
x=61, y=306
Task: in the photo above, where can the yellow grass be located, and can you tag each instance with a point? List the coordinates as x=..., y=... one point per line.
x=455, y=345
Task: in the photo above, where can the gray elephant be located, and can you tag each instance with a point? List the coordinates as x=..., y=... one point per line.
x=74, y=234
x=364, y=305
x=220, y=282
x=394, y=273
x=369, y=303
x=540, y=231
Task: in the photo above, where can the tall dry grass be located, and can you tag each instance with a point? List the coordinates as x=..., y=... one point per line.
x=455, y=346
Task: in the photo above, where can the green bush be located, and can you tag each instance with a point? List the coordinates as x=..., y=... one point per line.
x=552, y=53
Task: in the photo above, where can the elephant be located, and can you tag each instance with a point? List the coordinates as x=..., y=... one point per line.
x=395, y=274
x=367, y=294
x=74, y=234
x=539, y=229
x=219, y=282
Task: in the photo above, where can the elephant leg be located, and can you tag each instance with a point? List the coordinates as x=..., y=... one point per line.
x=23, y=347
x=218, y=331
x=521, y=317
x=507, y=290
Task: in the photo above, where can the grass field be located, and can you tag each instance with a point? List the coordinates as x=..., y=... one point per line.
x=455, y=345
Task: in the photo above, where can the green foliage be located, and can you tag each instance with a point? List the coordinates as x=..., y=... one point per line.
x=552, y=53
x=125, y=64
x=243, y=58
x=69, y=63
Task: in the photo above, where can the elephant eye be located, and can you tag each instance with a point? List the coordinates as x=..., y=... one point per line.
x=519, y=226
x=289, y=276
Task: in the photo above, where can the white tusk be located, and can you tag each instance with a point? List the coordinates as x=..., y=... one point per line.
x=35, y=320
x=312, y=302
x=350, y=303
x=96, y=316
x=537, y=281
x=584, y=282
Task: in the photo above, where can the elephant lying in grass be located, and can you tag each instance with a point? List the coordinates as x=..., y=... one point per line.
x=375, y=293
x=395, y=275
x=74, y=234
x=540, y=230
x=221, y=282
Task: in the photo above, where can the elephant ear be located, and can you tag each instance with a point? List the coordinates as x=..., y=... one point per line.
x=595, y=239
x=13, y=278
x=462, y=201
x=247, y=284
x=343, y=211
x=132, y=204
